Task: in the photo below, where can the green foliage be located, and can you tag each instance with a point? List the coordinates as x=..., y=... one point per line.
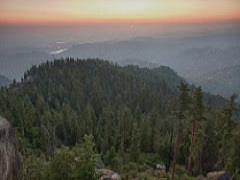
x=70, y=98
x=130, y=112
x=35, y=167
x=85, y=160
x=135, y=144
x=62, y=165
x=226, y=135
x=76, y=163
x=113, y=160
x=233, y=160
x=181, y=173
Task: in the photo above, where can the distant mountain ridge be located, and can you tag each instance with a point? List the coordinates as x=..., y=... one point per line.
x=224, y=81
x=14, y=65
x=192, y=57
x=4, y=81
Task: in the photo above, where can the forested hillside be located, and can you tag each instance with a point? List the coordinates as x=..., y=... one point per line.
x=133, y=118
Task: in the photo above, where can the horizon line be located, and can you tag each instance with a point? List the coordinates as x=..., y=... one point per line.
x=92, y=21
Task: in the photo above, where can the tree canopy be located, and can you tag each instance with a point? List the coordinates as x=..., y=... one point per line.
x=129, y=114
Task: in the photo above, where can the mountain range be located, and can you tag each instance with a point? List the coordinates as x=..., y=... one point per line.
x=224, y=81
x=4, y=81
x=197, y=58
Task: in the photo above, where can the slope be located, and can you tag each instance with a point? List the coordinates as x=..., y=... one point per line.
x=66, y=91
x=130, y=111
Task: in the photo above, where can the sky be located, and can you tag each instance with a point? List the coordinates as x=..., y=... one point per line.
x=62, y=12
x=40, y=22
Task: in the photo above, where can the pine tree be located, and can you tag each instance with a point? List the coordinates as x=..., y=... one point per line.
x=233, y=161
x=197, y=111
x=183, y=100
x=135, y=143
x=86, y=160
x=225, y=131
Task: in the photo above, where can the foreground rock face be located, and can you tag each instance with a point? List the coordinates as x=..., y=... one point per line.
x=9, y=156
x=218, y=175
x=108, y=174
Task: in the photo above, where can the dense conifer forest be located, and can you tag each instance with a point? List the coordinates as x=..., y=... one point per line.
x=72, y=116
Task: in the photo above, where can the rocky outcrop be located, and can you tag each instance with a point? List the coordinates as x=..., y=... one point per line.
x=218, y=175
x=10, y=164
x=108, y=174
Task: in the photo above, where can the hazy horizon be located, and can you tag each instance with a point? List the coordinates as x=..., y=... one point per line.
x=40, y=23
x=13, y=36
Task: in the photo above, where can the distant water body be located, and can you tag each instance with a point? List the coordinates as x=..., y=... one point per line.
x=58, y=51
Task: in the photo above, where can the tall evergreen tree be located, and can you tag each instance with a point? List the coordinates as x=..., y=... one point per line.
x=197, y=111
x=225, y=131
x=135, y=143
x=183, y=100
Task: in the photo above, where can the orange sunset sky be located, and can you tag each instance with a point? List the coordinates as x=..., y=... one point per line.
x=92, y=11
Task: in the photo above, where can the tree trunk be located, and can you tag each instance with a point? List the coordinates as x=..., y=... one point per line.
x=170, y=151
x=191, y=148
x=176, y=149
